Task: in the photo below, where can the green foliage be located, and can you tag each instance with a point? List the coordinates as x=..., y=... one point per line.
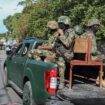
x=17, y=24
x=32, y=21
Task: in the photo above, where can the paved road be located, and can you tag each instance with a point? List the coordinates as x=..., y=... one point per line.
x=7, y=95
x=84, y=94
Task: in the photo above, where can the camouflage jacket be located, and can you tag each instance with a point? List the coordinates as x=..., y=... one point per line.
x=91, y=35
x=64, y=44
x=51, y=39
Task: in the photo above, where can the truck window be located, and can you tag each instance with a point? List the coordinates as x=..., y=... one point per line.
x=25, y=49
x=37, y=44
x=19, y=49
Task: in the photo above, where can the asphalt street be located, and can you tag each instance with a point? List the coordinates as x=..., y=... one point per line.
x=7, y=95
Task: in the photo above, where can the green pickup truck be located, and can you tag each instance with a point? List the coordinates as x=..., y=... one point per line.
x=35, y=80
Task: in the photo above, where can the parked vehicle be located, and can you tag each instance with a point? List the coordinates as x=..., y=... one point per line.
x=35, y=80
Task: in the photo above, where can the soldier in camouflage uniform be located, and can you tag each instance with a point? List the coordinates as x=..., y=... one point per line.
x=92, y=28
x=64, y=46
x=52, y=35
x=46, y=49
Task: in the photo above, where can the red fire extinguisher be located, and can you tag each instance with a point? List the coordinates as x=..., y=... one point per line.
x=51, y=81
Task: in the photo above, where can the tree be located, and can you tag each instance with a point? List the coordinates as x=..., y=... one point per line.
x=32, y=21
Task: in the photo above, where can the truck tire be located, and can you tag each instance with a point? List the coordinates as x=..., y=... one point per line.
x=27, y=94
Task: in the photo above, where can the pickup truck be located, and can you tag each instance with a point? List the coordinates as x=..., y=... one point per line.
x=35, y=80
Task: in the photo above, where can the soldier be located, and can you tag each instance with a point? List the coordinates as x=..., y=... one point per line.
x=78, y=30
x=92, y=28
x=45, y=49
x=64, y=46
x=79, y=33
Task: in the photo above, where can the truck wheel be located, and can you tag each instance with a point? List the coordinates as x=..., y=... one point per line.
x=5, y=77
x=27, y=94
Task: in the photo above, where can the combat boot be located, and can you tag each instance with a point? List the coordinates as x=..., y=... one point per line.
x=103, y=83
x=97, y=81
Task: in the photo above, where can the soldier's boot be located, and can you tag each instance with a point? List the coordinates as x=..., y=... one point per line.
x=103, y=83
x=47, y=60
x=37, y=58
x=97, y=82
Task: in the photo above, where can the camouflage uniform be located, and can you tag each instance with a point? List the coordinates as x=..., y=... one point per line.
x=64, y=48
x=91, y=35
x=37, y=53
x=95, y=52
x=49, y=53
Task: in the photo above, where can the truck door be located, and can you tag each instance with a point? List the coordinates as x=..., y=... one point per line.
x=20, y=64
x=12, y=64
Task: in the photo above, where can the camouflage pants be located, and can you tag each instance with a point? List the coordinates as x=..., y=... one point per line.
x=61, y=66
x=35, y=53
x=38, y=53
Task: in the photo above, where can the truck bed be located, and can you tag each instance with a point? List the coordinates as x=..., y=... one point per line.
x=83, y=94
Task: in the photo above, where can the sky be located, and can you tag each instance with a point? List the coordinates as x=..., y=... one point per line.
x=8, y=7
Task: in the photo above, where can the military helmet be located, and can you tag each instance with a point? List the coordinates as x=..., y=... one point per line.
x=92, y=22
x=64, y=19
x=52, y=25
x=78, y=29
